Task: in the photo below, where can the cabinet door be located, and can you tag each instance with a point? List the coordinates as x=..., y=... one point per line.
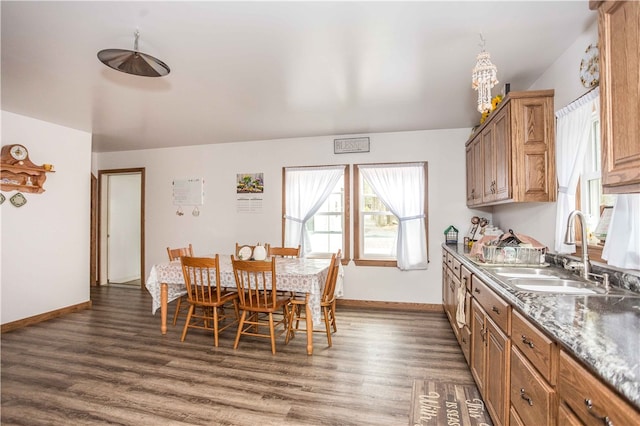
x=497, y=373
x=502, y=155
x=477, y=170
x=471, y=189
x=488, y=165
x=619, y=32
x=477, y=345
x=589, y=398
x=474, y=171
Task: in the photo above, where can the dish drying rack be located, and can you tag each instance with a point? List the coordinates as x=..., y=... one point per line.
x=521, y=256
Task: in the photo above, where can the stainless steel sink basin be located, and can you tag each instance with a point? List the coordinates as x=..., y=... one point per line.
x=530, y=273
x=555, y=285
x=552, y=280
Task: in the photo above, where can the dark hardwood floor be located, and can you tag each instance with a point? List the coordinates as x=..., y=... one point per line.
x=111, y=365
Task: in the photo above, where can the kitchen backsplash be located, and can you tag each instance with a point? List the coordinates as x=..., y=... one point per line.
x=617, y=277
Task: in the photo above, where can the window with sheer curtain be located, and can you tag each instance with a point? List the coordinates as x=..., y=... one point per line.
x=315, y=213
x=390, y=224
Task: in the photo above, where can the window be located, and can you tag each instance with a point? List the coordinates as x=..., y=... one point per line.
x=326, y=227
x=315, y=211
x=390, y=222
x=590, y=199
x=378, y=239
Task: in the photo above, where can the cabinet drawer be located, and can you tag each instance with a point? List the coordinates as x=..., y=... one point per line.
x=566, y=417
x=497, y=309
x=589, y=399
x=467, y=309
x=531, y=396
x=535, y=346
x=465, y=342
x=455, y=267
x=465, y=276
x=450, y=260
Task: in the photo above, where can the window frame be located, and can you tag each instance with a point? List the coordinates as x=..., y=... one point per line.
x=346, y=220
x=357, y=259
x=593, y=250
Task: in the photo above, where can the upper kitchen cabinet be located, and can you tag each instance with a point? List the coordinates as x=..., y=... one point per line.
x=516, y=150
x=619, y=44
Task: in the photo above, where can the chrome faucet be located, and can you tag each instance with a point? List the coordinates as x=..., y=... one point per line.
x=570, y=238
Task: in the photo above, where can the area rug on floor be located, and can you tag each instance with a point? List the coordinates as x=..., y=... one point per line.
x=442, y=403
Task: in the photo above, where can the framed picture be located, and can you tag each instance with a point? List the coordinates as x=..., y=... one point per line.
x=349, y=145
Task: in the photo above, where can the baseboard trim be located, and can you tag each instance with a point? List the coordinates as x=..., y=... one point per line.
x=425, y=307
x=10, y=326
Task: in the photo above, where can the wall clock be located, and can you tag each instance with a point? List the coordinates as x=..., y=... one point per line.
x=18, y=152
x=590, y=67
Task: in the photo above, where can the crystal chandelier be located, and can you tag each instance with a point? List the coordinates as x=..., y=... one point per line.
x=483, y=78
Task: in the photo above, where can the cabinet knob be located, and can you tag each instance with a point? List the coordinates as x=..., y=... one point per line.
x=527, y=341
x=496, y=310
x=526, y=397
x=476, y=290
x=605, y=419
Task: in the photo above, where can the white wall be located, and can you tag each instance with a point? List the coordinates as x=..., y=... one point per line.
x=538, y=219
x=218, y=226
x=45, y=243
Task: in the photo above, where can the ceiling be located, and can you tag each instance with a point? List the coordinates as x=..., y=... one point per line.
x=245, y=71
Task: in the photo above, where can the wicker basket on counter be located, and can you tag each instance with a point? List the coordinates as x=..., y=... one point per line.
x=522, y=256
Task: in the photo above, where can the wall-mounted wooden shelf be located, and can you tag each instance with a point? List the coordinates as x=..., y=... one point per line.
x=21, y=174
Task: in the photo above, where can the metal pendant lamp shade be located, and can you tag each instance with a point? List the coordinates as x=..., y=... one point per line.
x=133, y=62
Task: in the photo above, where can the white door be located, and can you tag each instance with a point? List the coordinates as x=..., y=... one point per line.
x=123, y=227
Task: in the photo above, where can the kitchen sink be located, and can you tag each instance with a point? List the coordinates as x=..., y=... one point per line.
x=555, y=285
x=530, y=273
x=554, y=281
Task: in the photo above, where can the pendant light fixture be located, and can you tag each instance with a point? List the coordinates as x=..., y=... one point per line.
x=133, y=61
x=483, y=78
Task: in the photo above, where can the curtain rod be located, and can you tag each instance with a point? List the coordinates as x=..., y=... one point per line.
x=579, y=101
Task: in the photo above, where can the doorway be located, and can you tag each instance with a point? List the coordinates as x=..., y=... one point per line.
x=121, y=227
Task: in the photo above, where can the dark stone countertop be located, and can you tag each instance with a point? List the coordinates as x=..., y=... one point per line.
x=601, y=331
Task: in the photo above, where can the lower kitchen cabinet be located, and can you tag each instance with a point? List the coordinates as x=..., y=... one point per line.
x=590, y=400
x=497, y=378
x=532, y=398
x=525, y=379
x=490, y=355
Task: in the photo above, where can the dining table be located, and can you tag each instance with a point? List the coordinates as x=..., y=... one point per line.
x=300, y=275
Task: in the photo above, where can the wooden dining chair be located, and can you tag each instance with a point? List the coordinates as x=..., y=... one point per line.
x=202, y=277
x=175, y=254
x=242, y=256
x=257, y=302
x=284, y=251
x=297, y=309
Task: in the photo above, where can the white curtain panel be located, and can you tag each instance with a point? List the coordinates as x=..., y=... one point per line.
x=401, y=187
x=306, y=188
x=572, y=137
x=622, y=247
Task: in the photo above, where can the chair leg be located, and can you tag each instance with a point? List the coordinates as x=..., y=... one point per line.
x=240, y=324
x=333, y=316
x=175, y=315
x=289, y=324
x=327, y=322
x=215, y=327
x=273, y=333
x=186, y=324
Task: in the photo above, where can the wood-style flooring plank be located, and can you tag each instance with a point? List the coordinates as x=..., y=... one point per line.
x=111, y=365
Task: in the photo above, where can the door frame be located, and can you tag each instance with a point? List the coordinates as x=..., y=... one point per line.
x=106, y=173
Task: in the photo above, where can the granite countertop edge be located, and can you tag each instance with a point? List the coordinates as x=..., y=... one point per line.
x=579, y=327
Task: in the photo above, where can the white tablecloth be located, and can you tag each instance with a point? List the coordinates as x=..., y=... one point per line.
x=300, y=275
